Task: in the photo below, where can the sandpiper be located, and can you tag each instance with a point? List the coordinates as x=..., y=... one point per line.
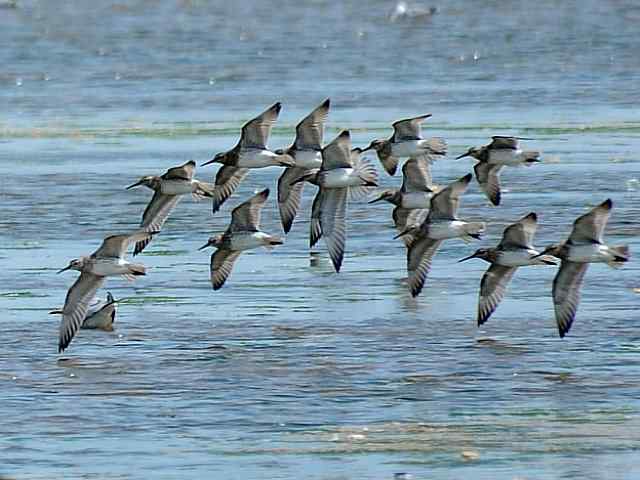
x=100, y=314
x=250, y=152
x=413, y=198
x=407, y=141
x=306, y=151
x=441, y=224
x=501, y=152
x=242, y=234
x=514, y=250
x=343, y=174
x=169, y=189
x=108, y=260
x=584, y=246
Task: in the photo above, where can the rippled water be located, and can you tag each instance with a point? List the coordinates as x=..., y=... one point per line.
x=292, y=371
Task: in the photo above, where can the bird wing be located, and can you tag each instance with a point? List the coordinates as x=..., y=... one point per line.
x=444, y=204
x=419, y=257
x=246, y=216
x=416, y=175
x=566, y=293
x=76, y=305
x=488, y=176
x=408, y=128
x=183, y=172
x=116, y=245
x=255, y=133
x=589, y=227
x=333, y=212
x=500, y=142
x=404, y=219
x=227, y=180
x=315, y=227
x=155, y=215
x=338, y=153
x=492, y=289
x=520, y=234
x=222, y=261
x=289, y=195
x=309, y=131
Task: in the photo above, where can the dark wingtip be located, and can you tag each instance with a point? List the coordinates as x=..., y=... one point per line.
x=277, y=107
x=344, y=134
x=265, y=193
x=608, y=204
x=533, y=216
x=326, y=103
x=467, y=178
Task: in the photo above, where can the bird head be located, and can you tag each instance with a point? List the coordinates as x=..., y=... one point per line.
x=219, y=158
x=387, y=195
x=472, y=152
x=215, y=241
x=147, y=181
x=75, y=264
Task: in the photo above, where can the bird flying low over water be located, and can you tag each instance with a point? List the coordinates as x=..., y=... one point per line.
x=101, y=314
x=441, y=224
x=168, y=190
x=106, y=261
x=343, y=174
x=413, y=198
x=584, y=246
x=250, y=152
x=306, y=152
x=242, y=234
x=515, y=250
x=407, y=141
x=501, y=152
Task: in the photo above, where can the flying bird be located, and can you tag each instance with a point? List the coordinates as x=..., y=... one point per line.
x=501, y=152
x=306, y=152
x=407, y=141
x=108, y=260
x=250, y=152
x=168, y=190
x=514, y=250
x=101, y=314
x=441, y=224
x=242, y=234
x=584, y=246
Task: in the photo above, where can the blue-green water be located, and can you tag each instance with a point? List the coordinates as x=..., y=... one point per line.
x=292, y=371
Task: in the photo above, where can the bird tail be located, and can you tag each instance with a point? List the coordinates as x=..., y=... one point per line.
x=367, y=172
x=438, y=146
x=620, y=255
x=473, y=231
x=531, y=157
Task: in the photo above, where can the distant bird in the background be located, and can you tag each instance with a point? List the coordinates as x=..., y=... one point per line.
x=169, y=189
x=441, y=224
x=343, y=174
x=515, y=250
x=584, y=246
x=413, y=198
x=501, y=152
x=108, y=260
x=404, y=11
x=250, y=152
x=101, y=314
x=242, y=234
x=306, y=151
x=407, y=141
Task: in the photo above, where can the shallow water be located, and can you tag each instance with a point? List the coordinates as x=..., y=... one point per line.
x=291, y=370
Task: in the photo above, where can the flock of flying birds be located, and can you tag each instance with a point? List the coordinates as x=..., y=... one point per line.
x=425, y=214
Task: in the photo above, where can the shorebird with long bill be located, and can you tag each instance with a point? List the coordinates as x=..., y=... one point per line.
x=251, y=151
x=584, y=246
x=514, y=250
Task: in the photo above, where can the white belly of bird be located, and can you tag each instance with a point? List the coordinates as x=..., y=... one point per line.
x=106, y=267
x=308, y=159
x=415, y=200
x=176, y=187
x=256, y=158
x=442, y=230
x=406, y=148
x=518, y=258
x=593, y=253
x=341, y=178
x=248, y=240
x=506, y=156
